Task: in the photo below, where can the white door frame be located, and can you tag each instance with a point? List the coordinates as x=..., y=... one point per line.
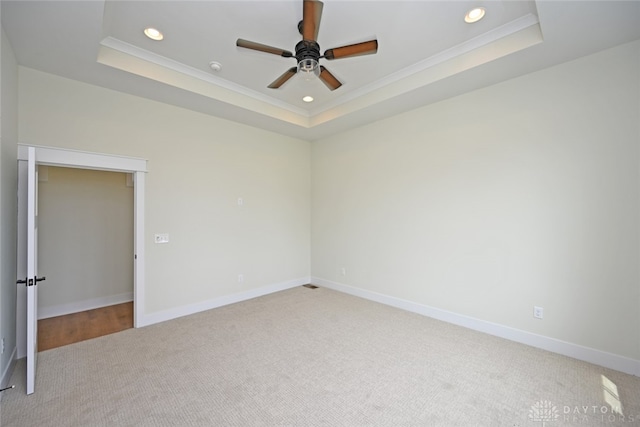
x=49, y=156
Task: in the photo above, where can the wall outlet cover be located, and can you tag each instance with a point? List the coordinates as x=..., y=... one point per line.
x=538, y=312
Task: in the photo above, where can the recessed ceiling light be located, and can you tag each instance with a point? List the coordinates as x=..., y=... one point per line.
x=153, y=34
x=308, y=98
x=215, y=66
x=474, y=15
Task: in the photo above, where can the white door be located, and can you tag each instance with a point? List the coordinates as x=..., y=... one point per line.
x=32, y=270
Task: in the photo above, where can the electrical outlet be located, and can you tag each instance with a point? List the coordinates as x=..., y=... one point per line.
x=240, y=278
x=538, y=312
x=343, y=271
x=2, y=346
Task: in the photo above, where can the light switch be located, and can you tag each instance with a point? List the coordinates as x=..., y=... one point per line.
x=161, y=238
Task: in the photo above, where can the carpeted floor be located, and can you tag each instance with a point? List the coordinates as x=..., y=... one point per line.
x=306, y=357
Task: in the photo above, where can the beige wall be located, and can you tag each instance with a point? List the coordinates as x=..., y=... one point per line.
x=85, y=239
x=198, y=168
x=8, y=202
x=520, y=194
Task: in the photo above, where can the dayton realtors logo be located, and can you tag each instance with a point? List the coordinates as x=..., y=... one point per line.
x=544, y=411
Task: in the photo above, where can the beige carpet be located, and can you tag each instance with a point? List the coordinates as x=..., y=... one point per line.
x=307, y=357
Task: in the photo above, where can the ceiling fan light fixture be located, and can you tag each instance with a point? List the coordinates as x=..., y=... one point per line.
x=474, y=15
x=153, y=33
x=308, y=68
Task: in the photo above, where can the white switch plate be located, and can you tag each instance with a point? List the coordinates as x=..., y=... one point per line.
x=161, y=238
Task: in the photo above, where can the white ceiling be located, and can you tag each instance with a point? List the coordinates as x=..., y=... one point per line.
x=426, y=51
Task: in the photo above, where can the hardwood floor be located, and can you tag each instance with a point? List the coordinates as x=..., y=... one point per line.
x=63, y=330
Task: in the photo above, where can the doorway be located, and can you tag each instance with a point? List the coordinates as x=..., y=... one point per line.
x=85, y=245
x=48, y=156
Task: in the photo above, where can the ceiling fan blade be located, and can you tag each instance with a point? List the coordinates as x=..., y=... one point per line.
x=263, y=48
x=329, y=79
x=364, y=48
x=311, y=15
x=283, y=78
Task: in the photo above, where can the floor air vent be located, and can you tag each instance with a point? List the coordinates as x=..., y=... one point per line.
x=310, y=286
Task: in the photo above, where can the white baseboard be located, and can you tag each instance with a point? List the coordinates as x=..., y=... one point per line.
x=150, y=319
x=8, y=371
x=74, y=307
x=587, y=354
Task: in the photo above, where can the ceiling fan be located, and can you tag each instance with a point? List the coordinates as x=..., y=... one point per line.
x=308, y=50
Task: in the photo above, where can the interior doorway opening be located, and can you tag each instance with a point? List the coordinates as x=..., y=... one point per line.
x=85, y=245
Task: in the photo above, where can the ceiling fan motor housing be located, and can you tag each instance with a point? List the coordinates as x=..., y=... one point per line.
x=307, y=49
